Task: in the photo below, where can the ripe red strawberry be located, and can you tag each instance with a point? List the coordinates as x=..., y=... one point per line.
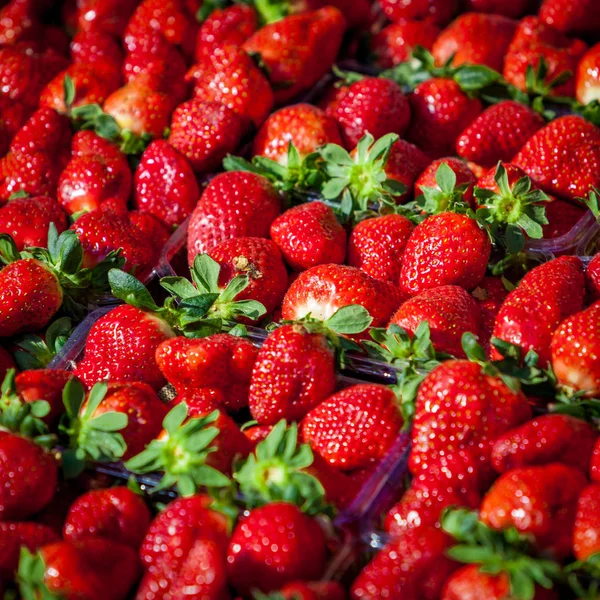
x=321, y=590
x=376, y=246
x=106, y=16
x=95, y=46
x=121, y=347
x=540, y=501
x=322, y=290
x=234, y=204
x=445, y=249
x=355, y=427
x=464, y=177
x=44, y=384
x=256, y=558
x=14, y=535
x=546, y=296
x=374, y=105
x=116, y=514
x=592, y=278
x=304, y=125
x=205, y=132
x=467, y=410
x=218, y=366
x=440, y=113
x=562, y=217
x=97, y=172
x=489, y=295
x=575, y=351
x=229, y=76
x=138, y=108
x=93, y=568
x=294, y=372
x=27, y=220
x=19, y=20
x=45, y=131
x=475, y=38
x=35, y=174
x=570, y=17
x=438, y=12
x=587, y=83
x=13, y=115
x=563, y=158
x=586, y=532
x=498, y=133
x=232, y=25
x=513, y=9
x=93, y=83
x=309, y=235
x=164, y=184
x=299, y=49
x=6, y=362
x=543, y=440
x=413, y=566
x=28, y=475
x=450, y=312
x=394, y=44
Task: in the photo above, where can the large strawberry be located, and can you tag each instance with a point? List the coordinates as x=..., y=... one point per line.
x=578, y=17
x=234, y=204
x=12, y=117
x=95, y=46
x=464, y=178
x=106, y=16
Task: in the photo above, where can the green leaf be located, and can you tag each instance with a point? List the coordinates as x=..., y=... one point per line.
x=73, y=396
x=445, y=178
x=475, y=77
x=110, y=421
x=351, y=319
x=175, y=417
x=8, y=249
x=69, y=91
x=205, y=273
x=95, y=397
x=129, y=289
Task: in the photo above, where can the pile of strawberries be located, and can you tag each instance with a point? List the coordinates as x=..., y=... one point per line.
x=300, y=299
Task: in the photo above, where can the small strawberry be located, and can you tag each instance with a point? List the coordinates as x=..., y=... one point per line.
x=450, y=312
x=13, y=116
x=218, y=366
x=570, y=17
x=95, y=47
x=27, y=220
x=540, y=501
x=105, y=16
x=475, y=38
x=498, y=133
x=205, y=132
x=164, y=184
x=394, y=43
x=298, y=50
x=308, y=235
x=117, y=514
x=438, y=12
x=229, y=76
x=586, y=531
x=234, y=204
x=587, y=83
x=376, y=246
x=255, y=557
x=463, y=177
x=440, y=112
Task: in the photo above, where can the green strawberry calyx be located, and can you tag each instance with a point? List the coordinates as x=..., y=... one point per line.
x=583, y=576
x=36, y=352
x=269, y=11
x=31, y=575
x=181, y=453
x=276, y=471
x=89, y=437
x=509, y=552
x=446, y=196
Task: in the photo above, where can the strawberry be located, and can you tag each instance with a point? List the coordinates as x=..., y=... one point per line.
x=513, y=9
x=445, y=249
x=19, y=21
x=229, y=76
x=234, y=204
x=294, y=372
x=93, y=568
x=298, y=50
x=324, y=289
x=373, y=104
x=7, y=362
x=35, y=174
x=105, y=16
x=463, y=174
x=13, y=116
x=16, y=535
x=587, y=82
x=540, y=501
x=440, y=112
x=309, y=235
x=205, y=132
x=218, y=366
x=232, y=25
x=28, y=475
x=164, y=184
x=493, y=408
x=575, y=352
x=308, y=590
x=551, y=292
x=562, y=218
x=475, y=38
x=303, y=125
x=376, y=246
x=98, y=171
x=498, y=133
x=438, y=12
x=255, y=559
x=117, y=514
x=570, y=17
x=563, y=157
x=354, y=427
x=394, y=43
x=586, y=532
x=413, y=566
x=592, y=278
x=27, y=220
x=47, y=132
x=95, y=47
x=489, y=295
x=450, y=312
